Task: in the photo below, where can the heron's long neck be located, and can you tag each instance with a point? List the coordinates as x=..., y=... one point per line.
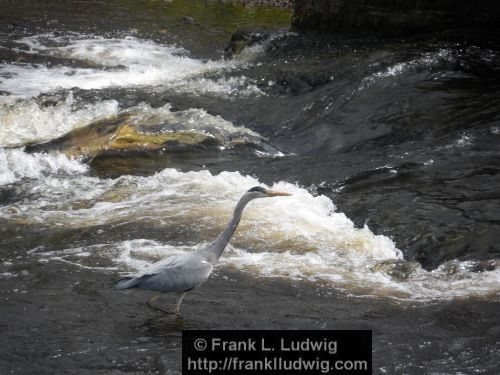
x=221, y=242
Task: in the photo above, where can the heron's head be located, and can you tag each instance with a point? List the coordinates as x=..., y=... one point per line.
x=260, y=192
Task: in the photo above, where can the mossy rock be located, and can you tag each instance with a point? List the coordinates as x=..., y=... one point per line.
x=129, y=131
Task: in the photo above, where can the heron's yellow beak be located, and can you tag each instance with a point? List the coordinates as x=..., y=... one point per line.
x=272, y=193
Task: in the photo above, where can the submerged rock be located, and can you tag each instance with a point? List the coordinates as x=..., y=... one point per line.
x=399, y=270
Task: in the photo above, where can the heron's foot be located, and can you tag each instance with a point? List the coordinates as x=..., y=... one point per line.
x=152, y=305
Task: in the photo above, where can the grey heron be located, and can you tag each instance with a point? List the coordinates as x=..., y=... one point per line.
x=185, y=272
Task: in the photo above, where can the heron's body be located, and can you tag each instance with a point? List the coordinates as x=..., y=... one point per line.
x=184, y=272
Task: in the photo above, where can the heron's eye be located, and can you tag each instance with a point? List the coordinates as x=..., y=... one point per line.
x=257, y=189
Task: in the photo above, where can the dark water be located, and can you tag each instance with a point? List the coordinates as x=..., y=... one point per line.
x=401, y=135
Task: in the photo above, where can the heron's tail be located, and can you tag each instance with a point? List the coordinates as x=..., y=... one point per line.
x=127, y=282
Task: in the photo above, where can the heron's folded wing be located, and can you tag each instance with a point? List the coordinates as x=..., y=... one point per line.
x=170, y=262
x=181, y=277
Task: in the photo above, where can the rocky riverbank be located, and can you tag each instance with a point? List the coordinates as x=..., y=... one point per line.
x=394, y=17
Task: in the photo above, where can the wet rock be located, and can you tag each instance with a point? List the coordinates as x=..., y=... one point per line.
x=188, y=20
x=118, y=133
x=242, y=39
x=153, y=132
x=122, y=132
x=450, y=268
x=399, y=270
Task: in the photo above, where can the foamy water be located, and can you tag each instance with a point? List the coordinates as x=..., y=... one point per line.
x=27, y=121
x=15, y=165
x=124, y=62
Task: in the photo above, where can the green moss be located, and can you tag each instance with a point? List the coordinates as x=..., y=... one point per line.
x=208, y=20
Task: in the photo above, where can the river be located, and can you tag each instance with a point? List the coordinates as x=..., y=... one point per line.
x=390, y=148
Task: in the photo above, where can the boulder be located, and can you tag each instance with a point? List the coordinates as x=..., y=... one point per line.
x=136, y=131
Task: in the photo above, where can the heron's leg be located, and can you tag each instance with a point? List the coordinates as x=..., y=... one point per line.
x=180, y=296
x=153, y=306
x=152, y=299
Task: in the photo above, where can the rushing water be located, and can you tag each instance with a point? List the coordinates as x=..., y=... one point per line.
x=390, y=149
